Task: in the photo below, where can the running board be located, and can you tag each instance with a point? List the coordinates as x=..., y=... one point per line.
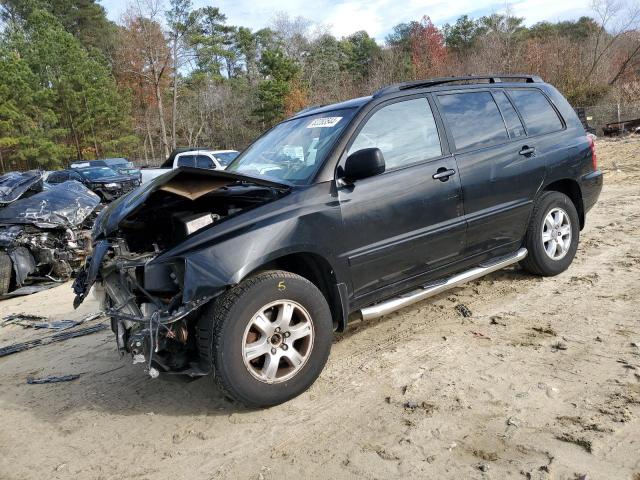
x=429, y=290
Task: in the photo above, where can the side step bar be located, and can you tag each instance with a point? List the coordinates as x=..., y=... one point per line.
x=429, y=290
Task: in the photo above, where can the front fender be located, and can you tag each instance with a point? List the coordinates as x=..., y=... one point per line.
x=222, y=256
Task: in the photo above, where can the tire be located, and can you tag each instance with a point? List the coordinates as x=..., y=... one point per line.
x=542, y=259
x=6, y=271
x=229, y=329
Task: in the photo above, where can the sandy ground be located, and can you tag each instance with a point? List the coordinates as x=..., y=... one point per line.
x=542, y=381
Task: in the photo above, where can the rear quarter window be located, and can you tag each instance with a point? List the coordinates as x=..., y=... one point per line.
x=538, y=114
x=186, y=161
x=474, y=119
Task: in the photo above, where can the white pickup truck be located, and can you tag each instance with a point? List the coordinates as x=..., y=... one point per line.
x=211, y=159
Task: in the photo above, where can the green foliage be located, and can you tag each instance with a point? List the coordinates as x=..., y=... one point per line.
x=462, y=35
x=576, y=30
x=401, y=35
x=67, y=98
x=84, y=19
x=27, y=122
x=358, y=50
x=279, y=71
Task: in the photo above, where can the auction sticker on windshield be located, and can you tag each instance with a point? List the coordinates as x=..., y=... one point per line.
x=325, y=122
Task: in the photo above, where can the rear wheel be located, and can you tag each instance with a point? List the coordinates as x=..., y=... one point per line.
x=267, y=339
x=6, y=271
x=552, y=236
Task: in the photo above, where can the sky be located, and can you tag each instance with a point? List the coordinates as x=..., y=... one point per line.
x=377, y=17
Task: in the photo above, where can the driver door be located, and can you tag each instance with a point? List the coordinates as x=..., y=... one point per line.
x=402, y=224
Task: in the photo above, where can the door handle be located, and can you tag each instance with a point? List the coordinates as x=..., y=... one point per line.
x=527, y=151
x=443, y=174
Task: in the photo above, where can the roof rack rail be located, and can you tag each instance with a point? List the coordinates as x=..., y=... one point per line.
x=432, y=82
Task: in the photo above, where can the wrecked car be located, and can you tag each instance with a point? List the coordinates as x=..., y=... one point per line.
x=45, y=236
x=104, y=181
x=351, y=210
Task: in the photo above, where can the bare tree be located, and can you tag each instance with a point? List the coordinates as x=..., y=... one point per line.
x=181, y=20
x=617, y=19
x=146, y=39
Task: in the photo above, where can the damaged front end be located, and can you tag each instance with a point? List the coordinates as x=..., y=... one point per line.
x=46, y=235
x=147, y=263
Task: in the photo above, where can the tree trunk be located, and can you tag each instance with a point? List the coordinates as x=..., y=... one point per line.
x=146, y=121
x=163, y=127
x=174, y=107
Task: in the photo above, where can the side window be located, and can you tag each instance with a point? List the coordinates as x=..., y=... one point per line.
x=514, y=125
x=404, y=131
x=202, y=161
x=75, y=176
x=537, y=113
x=187, y=161
x=474, y=119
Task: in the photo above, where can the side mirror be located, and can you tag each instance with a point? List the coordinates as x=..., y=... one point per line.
x=363, y=164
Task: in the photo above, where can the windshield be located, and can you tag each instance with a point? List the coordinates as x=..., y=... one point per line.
x=226, y=158
x=96, y=173
x=293, y=150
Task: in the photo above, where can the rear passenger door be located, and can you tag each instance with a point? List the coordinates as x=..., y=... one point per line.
x=500, y=171
x=403, y=222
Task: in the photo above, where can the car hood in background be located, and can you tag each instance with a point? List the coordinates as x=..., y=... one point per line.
x=14, y=184
x=66, y=204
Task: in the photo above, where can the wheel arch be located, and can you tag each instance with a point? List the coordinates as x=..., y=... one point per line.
x=571, y=189
x=319, y=271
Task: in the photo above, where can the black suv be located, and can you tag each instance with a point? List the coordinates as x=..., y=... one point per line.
x=353, y=209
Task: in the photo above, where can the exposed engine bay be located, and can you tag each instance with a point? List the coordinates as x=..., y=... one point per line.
x=45, y=233
x=147, y=297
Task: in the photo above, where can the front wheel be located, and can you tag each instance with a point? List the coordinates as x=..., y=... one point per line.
x=267, y=339
x=552, y=236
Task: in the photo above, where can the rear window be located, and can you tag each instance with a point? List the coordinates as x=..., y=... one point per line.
x=537, y=113
x=474, y=119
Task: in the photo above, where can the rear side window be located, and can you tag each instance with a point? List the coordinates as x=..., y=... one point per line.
x=202, y=161
x=405, y=132
x=474, y=119
x=537, y=113
x=187, y=161
x=511, y=119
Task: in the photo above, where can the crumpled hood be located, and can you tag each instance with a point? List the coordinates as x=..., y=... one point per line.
x=109, y=219
x=65, y=204
x=14, y=184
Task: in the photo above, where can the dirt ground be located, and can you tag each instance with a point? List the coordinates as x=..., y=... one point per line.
x=541, y=381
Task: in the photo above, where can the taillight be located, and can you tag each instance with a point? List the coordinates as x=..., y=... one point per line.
x=594, y=157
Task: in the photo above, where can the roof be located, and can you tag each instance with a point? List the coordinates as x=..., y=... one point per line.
x=427, y=83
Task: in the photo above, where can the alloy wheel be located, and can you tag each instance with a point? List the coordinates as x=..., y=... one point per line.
x=278, y=341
